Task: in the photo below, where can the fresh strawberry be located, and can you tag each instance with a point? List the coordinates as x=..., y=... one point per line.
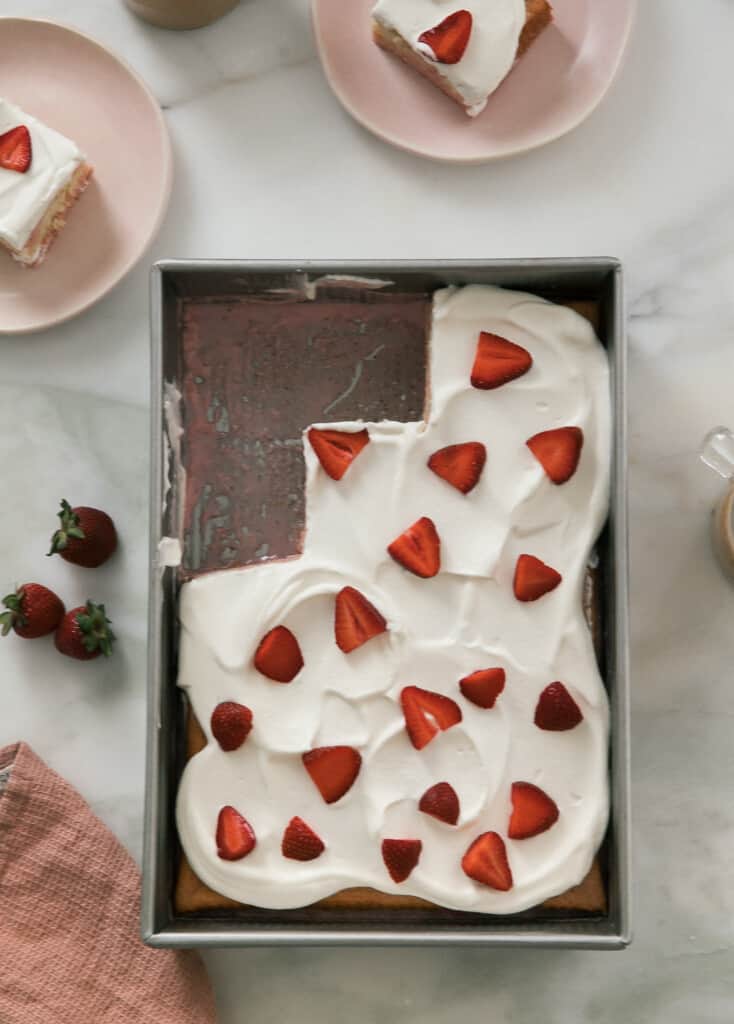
x=300, y=842
x=441, y=801
x=556, y=710
x=85, y=537
x=498, y=361
x=337, y=449
x=426, y=712
x=33, y=611
x=16, y=151
x=355, y=620
x=534, y=578
x=235, y=836
x=418, y=549
x=533, y=811
x=84, y=633
x=558, y=451
x=231, y=724
x=486, y=861
x=460, y=465
x=449, y=39
x=484, y=686
x=401, y=856
x=333, y=770
x=278, y=655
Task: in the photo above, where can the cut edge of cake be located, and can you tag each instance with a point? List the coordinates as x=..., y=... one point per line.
x=52, y=220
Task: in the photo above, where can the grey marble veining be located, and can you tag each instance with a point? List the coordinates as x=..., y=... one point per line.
x=269, y=165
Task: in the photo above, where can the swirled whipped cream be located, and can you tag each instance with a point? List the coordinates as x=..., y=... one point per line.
x=439, y=631
x=492, y=47
x=24, y=198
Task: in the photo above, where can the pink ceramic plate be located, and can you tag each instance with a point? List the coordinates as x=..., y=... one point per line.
x=71, y=82
x=557, y=84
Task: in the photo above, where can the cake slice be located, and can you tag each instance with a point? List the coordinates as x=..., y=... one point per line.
x=42, y=174
x=467, y=52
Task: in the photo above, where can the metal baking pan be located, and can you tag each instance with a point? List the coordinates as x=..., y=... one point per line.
x=173, y=281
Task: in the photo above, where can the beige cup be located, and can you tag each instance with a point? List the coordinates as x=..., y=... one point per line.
x=717, y=452
x=181, y=13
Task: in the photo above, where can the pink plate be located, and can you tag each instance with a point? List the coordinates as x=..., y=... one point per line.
x=74, y=84
x=553, y=88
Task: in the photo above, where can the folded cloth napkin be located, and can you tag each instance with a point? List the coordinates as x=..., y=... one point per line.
x=70, y=951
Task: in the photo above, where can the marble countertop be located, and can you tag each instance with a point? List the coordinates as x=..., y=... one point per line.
x=648, y=179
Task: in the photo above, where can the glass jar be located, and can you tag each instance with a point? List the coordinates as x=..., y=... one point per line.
x=717, y=451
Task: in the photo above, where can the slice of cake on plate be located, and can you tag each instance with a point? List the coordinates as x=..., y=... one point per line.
x=465, y=51
x=42, y=174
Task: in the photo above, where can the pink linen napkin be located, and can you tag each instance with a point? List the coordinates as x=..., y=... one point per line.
x=70, y=952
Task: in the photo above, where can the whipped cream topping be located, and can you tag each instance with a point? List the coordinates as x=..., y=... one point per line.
x=440, y=630
x=492, y=47
x=169, y=552
x=24, y=198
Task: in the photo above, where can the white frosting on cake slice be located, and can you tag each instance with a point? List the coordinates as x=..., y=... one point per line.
x=25, y=198
x=492, y=46
x=440, y=630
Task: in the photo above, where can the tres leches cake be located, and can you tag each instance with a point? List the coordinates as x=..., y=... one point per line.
x=42, y=174
x=413, y=703
x=467, y=52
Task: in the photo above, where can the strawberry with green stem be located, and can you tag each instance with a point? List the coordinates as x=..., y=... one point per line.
x=84, y=633
x=32, y=611
x=86, y=536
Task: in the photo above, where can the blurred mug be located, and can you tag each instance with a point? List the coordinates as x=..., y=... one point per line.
x=181, y=13
x=717, y=452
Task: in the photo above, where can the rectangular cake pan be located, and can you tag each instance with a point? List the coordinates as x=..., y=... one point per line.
x=598, y=280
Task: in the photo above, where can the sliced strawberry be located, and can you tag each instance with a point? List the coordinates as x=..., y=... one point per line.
x=333, y=770
x=337, y=449
x=418, y=549
x=558, y=451
x=486, y=862
x=278, y=655
x=449, y=39
x=534, y=578
x=235, y=837
x=426, y=712
x=498, y=361
x=441, y=801
x=355, y=620
x=533, y=811
x=16, y=150
x=231, y=724
x=300, y=842
x=460, y=465
x=484, y=686
x=401, y=856
x=556, y=710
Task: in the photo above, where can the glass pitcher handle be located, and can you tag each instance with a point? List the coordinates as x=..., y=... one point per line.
x=717, y=452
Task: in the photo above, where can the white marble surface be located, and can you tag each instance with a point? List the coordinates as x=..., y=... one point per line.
x=268, y=165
